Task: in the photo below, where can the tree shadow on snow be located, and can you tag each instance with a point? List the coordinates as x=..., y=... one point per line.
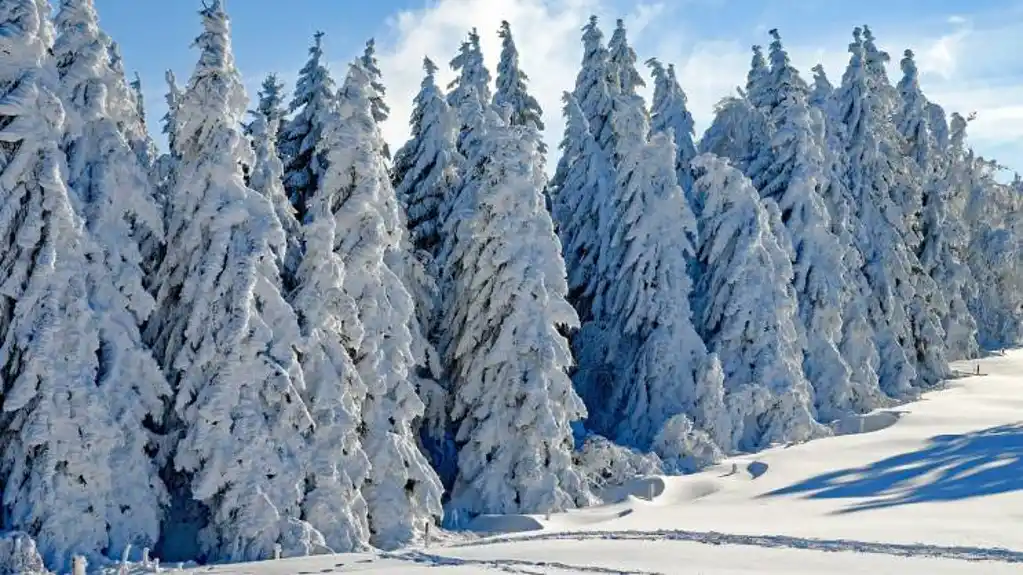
x=950, y=468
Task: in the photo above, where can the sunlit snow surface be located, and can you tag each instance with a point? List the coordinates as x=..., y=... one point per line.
x=935, y=487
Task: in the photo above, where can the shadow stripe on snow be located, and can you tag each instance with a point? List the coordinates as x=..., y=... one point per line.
x=507, y=565
x=997, y=554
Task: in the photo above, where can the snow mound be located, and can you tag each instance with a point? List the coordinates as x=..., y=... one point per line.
x=756, y=469
x=688, y=490
x=498, y=524
x=589, y=517
x=868, y=423
x=648, y=488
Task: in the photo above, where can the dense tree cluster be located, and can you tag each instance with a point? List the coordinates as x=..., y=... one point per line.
x=275, y=337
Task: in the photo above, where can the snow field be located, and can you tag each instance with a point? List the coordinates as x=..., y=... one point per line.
x=935, y=490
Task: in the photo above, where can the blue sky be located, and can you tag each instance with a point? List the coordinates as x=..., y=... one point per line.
x=968, y=49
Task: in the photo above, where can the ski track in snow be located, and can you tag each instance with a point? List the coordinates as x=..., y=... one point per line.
x=518, y=566
x=994, y=554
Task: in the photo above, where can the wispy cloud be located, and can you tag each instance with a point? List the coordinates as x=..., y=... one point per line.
x=547, y=35
x=968, y=64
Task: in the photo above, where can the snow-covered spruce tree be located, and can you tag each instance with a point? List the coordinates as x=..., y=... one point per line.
x=582, y=183
x=945, y=249
x=994, y=214
x=161, y=176
x=300, y=137
x=740, y=131
x=331, y=334
x=113, y=195
x=900, y=120
x=163, y=167
x=162, y=173
x=471, y=117
x=511, y=84
x=135, y=127
x=622, y=62
x=888, y=102
x=944, y=258
x=402, y=492
x=662, y=366
x=593, y=87
x=913, y=118
x=138, y=98
x=425, y=172
x=782, y=84
x=876, y=68
x=142, y=142
x=170, y=119
x=581, y=186
x=887, y=260
x=267, y=178
x=572, y=203
x=222, y=331
x=624, y=80
x=760, y=94
x=829, y=131
x=599, y=349
x=369, y=62
x=453, y=217
x=746, y=311
x=426, y=374
x=930, y=306
x=958, y=158
x=381, y=111
x=511, y=87
x=941, y=133
x=513, y=401
x=857, y=339
x=416, y=271
x=758, y=80
x=59, y=430
x=731, y=135
x=426, y=178
x=270, y=104
x=126, y=106
x=669, y=113
x=794, y=180
x=473, y=81
x=822, y=91
x=473, y=76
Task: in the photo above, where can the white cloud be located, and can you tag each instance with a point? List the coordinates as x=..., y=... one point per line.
x=957, y=65
x=950, y=65
x=942, y=56
x=547, y=34
x=710, y=71
x=644, y=15
x=971, y=64
x=547, y=39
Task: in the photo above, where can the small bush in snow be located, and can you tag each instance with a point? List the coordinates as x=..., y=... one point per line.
x=683, y=448
x=604, y=463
